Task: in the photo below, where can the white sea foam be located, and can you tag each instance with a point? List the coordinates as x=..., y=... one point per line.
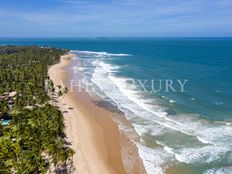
x=214, y=137
x=77, y=69
x=169, y=149
x=141, y=129
x=205, y=154
x=171, y=101
x=154, y=160
x=222, y=170
x=99, y=54
x=203, y=140
x=197, y=155
x=135, y=103
x=109, y=68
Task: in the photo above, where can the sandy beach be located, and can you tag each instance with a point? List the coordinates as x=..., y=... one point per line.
x=94, y=135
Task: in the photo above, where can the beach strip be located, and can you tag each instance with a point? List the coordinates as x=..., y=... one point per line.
x=93, y=134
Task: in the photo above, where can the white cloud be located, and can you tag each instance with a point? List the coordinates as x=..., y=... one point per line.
x=128, y=16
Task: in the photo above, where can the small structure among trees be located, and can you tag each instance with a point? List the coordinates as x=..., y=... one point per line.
x=36, y=127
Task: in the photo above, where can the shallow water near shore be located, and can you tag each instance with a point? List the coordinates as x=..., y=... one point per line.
x=179, y=132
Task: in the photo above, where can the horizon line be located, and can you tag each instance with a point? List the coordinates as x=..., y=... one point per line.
x=105, y=37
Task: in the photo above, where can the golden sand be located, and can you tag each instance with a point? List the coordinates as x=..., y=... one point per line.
x=94, y=135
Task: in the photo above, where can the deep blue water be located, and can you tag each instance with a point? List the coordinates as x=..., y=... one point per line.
x=190, y=129
x=205, y=62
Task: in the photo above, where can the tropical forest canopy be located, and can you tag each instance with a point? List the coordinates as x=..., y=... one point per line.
x=34, y=139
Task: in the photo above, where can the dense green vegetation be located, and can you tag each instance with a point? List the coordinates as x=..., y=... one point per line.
x=35, y=138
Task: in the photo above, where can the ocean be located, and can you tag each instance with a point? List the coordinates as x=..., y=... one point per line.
x=175, y=92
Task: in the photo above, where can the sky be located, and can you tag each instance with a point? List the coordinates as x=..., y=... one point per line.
x=115, y=18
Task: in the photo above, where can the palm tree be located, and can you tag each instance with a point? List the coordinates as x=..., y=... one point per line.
x=33, y=132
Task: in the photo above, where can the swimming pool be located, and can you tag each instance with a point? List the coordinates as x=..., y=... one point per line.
x=5, y=122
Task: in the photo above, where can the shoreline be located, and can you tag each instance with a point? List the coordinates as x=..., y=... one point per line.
x=95, y=137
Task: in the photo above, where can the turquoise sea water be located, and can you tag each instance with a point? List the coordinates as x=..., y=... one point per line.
x=191, y=129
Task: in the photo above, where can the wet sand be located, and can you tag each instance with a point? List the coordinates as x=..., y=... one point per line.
x=99, y=145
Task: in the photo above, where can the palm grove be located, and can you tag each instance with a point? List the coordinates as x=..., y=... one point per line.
x=34, y=140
